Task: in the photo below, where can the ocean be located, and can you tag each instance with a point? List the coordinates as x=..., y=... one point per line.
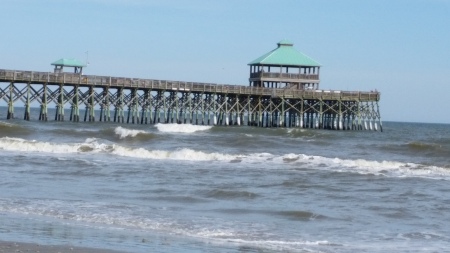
x=193, y=188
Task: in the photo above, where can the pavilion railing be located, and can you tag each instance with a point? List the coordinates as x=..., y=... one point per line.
x=284, y=76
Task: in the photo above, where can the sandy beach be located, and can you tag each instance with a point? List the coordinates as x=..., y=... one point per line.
x=18, y=247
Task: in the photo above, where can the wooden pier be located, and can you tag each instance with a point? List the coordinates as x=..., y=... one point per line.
x=147, y=101
x=275, y=98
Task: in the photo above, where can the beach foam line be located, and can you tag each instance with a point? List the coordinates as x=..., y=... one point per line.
x=180, y=128
x=361, y=166
x=18, y=144
x=124, y=217
x=393, y=168
x=180, y=154
x=92, y=145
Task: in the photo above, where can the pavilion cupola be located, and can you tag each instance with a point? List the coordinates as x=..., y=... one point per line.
x=72, y=63
x=286, y=68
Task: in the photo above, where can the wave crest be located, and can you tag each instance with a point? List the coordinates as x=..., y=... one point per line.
x=422, y=146
x=361, y=166
x=124, y=132
x=92, y=145
x=181, y=154
x=180, y=128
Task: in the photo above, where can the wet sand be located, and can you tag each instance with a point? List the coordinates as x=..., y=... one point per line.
x=19, y=247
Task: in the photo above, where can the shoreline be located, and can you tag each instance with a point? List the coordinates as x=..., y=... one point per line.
x=18, y=247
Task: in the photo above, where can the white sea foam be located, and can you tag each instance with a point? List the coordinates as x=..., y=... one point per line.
x=361, y=166
x=124, y=132
x=18, y=144
x=181, y=154
x=93, y=145
x=180, y=128
x=385, y=168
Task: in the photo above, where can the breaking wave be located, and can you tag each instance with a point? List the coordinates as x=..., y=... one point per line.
x=180, y=128
x=124, y=132
x=92, y=145
x=264, y=160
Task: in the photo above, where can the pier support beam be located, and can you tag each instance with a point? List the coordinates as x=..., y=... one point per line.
x=74, y=110
x=10, y=114
x=27, y=104
x=43, y=111
x=59, y=114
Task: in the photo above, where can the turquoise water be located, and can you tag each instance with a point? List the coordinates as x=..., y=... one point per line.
x=185, y=188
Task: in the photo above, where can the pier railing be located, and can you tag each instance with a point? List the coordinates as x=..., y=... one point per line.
x=270, y=75
x=121, y=82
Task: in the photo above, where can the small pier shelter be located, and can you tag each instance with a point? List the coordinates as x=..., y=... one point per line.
x=285, y=68
x=71, y=63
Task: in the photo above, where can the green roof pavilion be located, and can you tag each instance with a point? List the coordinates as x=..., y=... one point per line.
x=73, y=63
x=284, y=67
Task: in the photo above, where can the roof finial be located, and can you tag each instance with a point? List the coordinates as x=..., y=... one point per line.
x=285, y=43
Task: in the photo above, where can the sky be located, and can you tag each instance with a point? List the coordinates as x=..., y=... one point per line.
x=398, y=47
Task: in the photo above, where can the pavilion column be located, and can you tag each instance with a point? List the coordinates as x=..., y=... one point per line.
x=250, y=82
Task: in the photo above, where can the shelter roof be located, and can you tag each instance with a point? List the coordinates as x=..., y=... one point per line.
x=285, y=55
x=68, y=63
